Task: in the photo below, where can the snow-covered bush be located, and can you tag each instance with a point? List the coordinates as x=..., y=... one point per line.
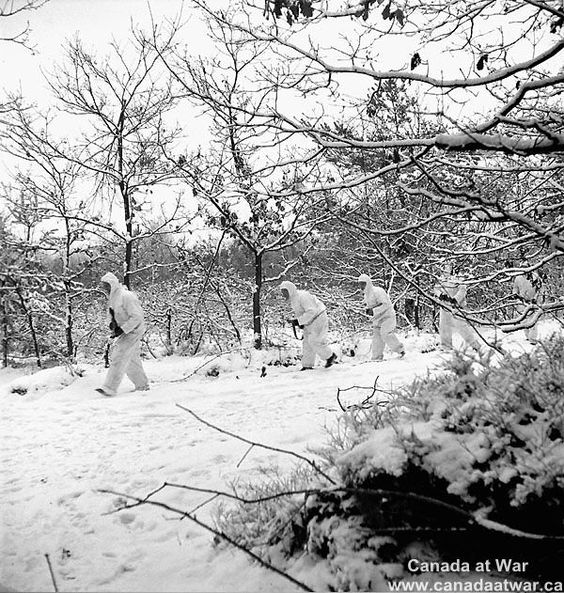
x=462, y=463
x=41, y=382
x=472, y=443
x=493, y=436
x=272, y=522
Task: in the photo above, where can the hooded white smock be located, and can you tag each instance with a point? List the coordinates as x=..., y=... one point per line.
x=310, y=312
x=451, y=287
x=524, y=286
x=125, y=305
x=126, y=352
x=377, y=299
x=306, y=306
x=453, y=321
x=384, y=319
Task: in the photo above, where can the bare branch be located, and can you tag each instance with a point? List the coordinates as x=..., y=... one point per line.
x=260, y=445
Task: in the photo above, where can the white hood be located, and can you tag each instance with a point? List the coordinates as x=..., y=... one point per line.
x=110, y=279
x=290, y=287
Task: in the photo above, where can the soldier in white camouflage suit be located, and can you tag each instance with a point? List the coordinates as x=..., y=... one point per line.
x=380, y=307
x=450, y=291
x=311, y=316
x=127, y=326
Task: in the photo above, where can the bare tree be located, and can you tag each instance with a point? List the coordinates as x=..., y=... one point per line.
x=49, y=186
x=124, y=100
x=255, y=190
x=11, y=10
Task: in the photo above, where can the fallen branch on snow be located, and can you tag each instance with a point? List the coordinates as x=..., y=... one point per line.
x=261, y=445
x=216, y=532
x=366, y=402
x=51, y=572
x=473, y=518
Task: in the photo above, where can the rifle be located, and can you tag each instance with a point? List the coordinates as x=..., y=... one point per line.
x=294, y=323
x=107, y=353
x=115, y=331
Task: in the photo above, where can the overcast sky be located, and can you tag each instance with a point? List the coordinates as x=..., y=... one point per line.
x=96, y=22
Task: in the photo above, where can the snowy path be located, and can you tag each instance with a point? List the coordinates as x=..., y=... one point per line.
x=60, y=448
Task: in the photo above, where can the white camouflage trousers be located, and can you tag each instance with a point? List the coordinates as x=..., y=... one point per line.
x=383, y=335
x=125, y=359
x=449, y=323
x=530, y=332
x=315, y=341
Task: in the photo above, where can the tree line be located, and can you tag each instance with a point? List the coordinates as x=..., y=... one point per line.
x=319, y=165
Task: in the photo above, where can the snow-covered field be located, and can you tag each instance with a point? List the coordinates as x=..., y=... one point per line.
x=62, y=443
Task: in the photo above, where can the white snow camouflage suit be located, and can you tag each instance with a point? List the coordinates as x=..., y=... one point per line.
x=125, y=356
x=383, y=321
x=310, y=312
x=449, y=322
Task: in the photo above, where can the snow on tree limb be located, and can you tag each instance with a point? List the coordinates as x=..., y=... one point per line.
x=442, y=83
x=524, y=146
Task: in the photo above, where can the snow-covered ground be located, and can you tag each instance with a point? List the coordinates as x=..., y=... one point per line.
x=62, y=443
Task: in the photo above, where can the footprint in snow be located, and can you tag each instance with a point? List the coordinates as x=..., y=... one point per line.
x=67, y=498
x=127, y=518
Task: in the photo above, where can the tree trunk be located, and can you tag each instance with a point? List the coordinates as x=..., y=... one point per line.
x=169, y=346
x=29, y=316
x=127, y=210
x=257, y=325
x=34, y=336
x=128, y=255
x=5, y=335
x=69, y=321
x=68, y=292
x=412, y=311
